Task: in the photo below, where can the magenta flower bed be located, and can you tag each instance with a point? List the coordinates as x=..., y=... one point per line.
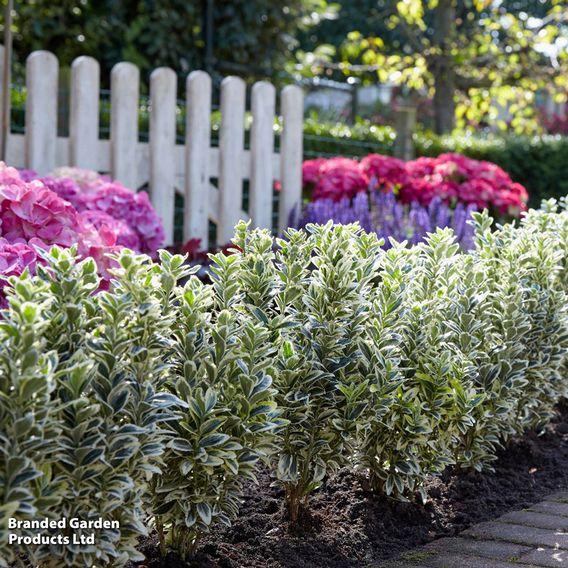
x=71, y=207
x=110, y=207
x=452, y=178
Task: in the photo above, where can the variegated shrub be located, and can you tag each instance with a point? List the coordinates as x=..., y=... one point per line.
x=152, y=402
x=310, y=297
x=221, y=373
x=103, y=356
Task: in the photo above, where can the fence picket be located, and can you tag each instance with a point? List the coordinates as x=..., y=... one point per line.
x=124, y=87
x=163, y=89
x=84, y=111
x=262, y=147
x=231, y=156
x=291, y=151
x=42, y=69
x=197, y=169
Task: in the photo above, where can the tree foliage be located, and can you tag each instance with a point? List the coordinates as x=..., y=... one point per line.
x=254, y=38
x=473, y=56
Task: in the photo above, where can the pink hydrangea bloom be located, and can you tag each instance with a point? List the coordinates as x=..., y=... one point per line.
x=136, y=224
x=134, y=209
x=311, y=170
x=339, y=178
x=454, y=177
x=32, y=216
x=123, y=234
x=386, y=172
x=66, y=189
x=31, y=210
x=86, y=180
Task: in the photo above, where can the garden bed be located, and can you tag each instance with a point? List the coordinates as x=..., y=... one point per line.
x=352, y=528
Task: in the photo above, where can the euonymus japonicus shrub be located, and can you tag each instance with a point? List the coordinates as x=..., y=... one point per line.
x=152, y=402
x=420, y=396
x=101, y=361
x=310, y=297
x=221, y=367
x=148, y=397
x=28, y=420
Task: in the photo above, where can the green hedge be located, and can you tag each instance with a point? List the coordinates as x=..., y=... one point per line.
x=150, y=404
x=341, y=139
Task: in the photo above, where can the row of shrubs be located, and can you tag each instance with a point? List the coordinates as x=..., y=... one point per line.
x=152, y=403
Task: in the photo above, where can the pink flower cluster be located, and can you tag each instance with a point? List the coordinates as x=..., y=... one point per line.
x=71, y=207
x=334, y=178
x=453, y=178
x=110, y=207
x=33, y=217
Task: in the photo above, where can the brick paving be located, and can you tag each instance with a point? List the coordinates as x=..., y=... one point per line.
x=534, y=537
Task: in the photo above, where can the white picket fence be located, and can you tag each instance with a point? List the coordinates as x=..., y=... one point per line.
x=168, y=167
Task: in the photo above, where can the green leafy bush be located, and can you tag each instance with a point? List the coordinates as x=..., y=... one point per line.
x=149, y=394
x=221, y=372
x=309, y=296
x=453, y=352
x=28, y=421
x=412, y=434
x=106, y=354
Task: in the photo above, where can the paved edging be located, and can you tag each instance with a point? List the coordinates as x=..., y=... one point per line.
x=533, y=538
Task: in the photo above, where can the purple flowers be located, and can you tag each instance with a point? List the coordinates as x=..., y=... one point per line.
x=382, y=213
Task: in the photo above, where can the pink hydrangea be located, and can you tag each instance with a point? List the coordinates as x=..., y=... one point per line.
x=32, y=216
x=457, y=178
x=123, y=234
x=385, y=172
x=134, y=209
x=339, y=178
x=66, y=189
x=86, y=180
x=311, y=170
x=31, y=210
x=136, y=224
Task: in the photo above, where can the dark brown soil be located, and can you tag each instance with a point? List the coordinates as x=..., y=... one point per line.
x=350, y=527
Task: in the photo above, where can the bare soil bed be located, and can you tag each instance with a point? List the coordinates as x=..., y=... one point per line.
x=349, y=527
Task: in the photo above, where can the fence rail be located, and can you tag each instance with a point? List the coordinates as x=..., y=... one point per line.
x=162, y=164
